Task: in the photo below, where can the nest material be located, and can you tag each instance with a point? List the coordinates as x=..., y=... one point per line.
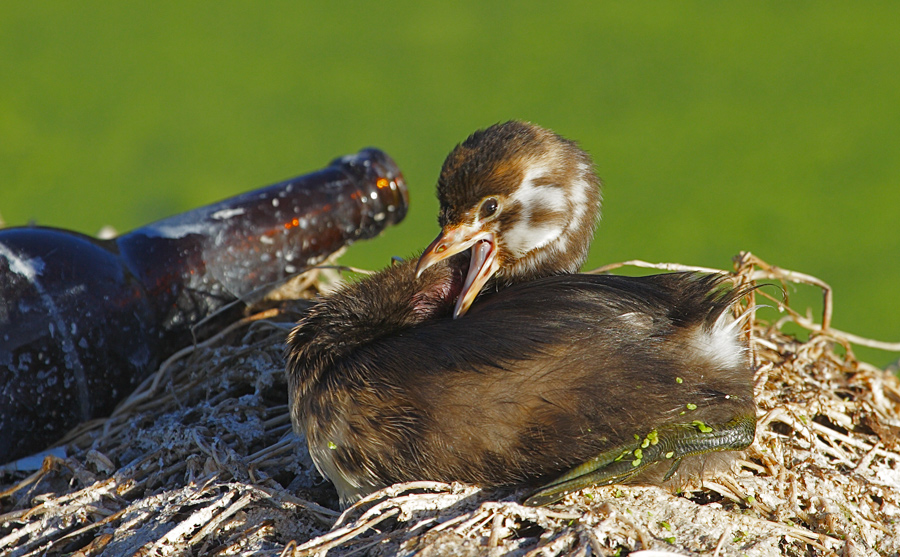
x=201, y=460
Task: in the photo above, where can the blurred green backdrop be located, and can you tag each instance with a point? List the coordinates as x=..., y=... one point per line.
x=717, y=126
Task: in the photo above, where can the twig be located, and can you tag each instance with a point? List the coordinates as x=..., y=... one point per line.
x=337, y=537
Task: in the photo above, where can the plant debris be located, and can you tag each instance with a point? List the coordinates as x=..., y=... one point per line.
x=201, y=460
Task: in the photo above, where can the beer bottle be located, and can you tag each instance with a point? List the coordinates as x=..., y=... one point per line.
x=83, y=320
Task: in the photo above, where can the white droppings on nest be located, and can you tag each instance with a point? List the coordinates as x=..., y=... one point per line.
x=201, y=460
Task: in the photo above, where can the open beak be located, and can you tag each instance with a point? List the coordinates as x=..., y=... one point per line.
x=482, y=265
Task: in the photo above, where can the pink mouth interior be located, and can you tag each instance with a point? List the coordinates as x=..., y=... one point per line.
x=449, y=281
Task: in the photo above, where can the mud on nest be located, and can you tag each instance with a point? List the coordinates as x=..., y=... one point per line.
x=201, y=460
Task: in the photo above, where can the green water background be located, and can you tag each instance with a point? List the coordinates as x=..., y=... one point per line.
x=717, y=127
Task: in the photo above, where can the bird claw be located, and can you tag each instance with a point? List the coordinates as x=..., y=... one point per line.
x=672, y=442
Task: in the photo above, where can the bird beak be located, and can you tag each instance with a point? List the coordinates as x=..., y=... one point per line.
x=482, y=265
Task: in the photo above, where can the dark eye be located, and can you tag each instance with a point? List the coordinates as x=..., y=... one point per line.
x=488, y=208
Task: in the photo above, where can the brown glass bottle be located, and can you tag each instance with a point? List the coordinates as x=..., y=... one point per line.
x=83, y=320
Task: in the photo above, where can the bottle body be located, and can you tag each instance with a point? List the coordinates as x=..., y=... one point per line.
x=78, y=334
x=83, y=321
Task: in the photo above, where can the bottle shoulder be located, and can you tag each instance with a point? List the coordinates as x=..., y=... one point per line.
x=39, y=253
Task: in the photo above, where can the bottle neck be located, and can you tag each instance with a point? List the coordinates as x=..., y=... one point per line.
x=198, y=261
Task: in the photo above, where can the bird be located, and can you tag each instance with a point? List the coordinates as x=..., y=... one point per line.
x=490, y=360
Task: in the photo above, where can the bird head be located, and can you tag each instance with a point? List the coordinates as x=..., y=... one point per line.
x=522, y=199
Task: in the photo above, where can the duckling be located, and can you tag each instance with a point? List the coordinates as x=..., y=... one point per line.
x=491, y=361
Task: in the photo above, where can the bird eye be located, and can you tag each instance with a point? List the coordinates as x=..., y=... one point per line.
x=488, y=208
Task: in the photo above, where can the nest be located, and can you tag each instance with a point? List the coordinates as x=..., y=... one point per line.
x=201, y=460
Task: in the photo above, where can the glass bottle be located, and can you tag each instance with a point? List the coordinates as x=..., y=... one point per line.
x=83, y=321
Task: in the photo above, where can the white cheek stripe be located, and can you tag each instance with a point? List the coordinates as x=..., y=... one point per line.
x=578, y=199
x=528, y=195
x=570, y=203
x=523, y=237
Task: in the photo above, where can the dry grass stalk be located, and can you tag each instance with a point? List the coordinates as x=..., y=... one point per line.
x=201, y=460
